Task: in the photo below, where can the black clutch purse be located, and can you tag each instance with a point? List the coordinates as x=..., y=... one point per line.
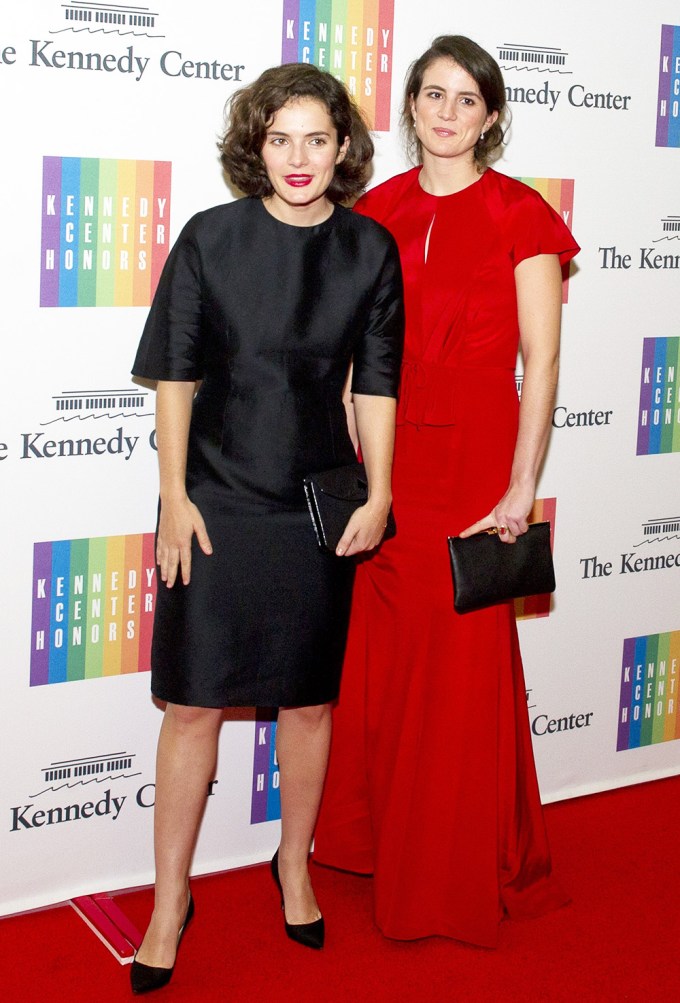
x=332, y=497
x=487, y=571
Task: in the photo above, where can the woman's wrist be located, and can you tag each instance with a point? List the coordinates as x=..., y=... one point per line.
x=523, y=481
x=173, y=494
x=379, y=505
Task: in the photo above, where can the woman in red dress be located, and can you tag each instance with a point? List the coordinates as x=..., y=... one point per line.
x=432, y=785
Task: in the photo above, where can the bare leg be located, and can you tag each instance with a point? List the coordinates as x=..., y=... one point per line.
x=187, y=750
x=302, y=742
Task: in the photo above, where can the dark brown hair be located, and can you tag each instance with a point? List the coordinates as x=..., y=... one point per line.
x=486, y=73
x=251, y=110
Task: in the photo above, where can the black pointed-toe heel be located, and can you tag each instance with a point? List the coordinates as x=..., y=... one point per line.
x=146, y=978
x=307, y=934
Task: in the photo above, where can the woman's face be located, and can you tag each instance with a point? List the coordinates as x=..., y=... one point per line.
x=449, y=112
x=300, y=154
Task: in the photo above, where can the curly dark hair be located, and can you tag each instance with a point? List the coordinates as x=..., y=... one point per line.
x=250, y=111
x=486, y=73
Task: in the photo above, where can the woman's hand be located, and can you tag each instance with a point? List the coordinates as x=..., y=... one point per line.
x=179, y=520
x=364, y=531
x=509, y=517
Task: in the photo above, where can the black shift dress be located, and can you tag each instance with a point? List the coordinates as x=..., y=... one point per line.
x=268, y=316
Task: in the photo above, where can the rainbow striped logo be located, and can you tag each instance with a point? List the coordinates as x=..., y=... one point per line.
x=648, y=709
x=105, y=231
x=266, y=800
x=558, y=193
x=93, y=603
x=668, y=106
x=352, y=39
x=531, y=607
x=659, y=412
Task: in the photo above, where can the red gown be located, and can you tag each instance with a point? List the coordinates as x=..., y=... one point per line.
x=431, y=784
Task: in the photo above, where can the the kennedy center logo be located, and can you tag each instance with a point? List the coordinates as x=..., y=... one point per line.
x=668, y=103
x=659, y=411
x=648, y=705
x=86, y=770
x=93, y=603
x=80, y=405
x=122, y=19
x=532, y=58
x=78, y=426
x=352, y=39
x=533, y=76
x=657, y=535
x=665, y=256
x=105, y=231
x=660, y=530
x=70, y=790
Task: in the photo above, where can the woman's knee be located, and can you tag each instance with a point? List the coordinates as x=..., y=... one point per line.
x=192, y=718
x=306, y=717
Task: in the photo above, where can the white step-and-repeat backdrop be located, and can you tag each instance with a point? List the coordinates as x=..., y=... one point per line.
x=109, y=118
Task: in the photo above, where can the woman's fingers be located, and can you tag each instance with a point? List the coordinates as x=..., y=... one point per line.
x=202, y=535
x=364, y=531
x=488, y=522
x=185, y=563
x=508, y=529
x=173, y=552
x=168, y=559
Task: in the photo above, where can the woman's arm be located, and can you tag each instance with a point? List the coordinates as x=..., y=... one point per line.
x=375, y=418
x=539, y=303
x=348, y=401
x=179, y=517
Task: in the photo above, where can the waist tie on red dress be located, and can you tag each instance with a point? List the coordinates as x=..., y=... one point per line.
x=434, y=394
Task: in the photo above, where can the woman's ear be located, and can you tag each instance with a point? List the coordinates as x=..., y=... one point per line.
x=342, y=152
x=490, y=119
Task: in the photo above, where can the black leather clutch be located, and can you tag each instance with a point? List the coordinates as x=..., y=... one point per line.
x=332, y=497
x=487, y=571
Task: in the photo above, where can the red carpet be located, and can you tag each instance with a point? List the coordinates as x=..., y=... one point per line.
x=618, y=854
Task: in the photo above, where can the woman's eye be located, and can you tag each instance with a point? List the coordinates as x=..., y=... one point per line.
x=318, y=141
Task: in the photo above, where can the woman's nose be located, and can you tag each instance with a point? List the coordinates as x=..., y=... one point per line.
x=298, y=154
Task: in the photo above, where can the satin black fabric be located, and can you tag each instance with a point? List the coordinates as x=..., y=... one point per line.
x=268, y=316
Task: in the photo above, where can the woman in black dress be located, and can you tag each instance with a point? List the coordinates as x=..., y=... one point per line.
x=266, y=305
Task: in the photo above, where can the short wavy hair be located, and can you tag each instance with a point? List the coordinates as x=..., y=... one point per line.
x=251, y=110
x=486, y=73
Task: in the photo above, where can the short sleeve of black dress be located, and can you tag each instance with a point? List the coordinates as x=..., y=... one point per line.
x=377, y=356
x=170, y=348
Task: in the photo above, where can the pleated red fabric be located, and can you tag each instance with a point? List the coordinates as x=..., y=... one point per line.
x=431, y=785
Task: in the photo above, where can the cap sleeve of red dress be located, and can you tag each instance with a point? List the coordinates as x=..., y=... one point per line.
x=535, y=228
x=171, y=343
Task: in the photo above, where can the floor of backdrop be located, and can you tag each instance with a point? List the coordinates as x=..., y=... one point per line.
x=617, y=852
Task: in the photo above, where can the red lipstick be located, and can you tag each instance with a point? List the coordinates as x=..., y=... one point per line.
x=298, y=180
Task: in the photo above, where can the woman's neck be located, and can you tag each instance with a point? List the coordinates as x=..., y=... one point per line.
x=447, y=175
x=299, y=215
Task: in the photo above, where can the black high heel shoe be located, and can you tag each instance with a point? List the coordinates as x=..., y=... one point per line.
x=307, y=934
x=146, y=978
